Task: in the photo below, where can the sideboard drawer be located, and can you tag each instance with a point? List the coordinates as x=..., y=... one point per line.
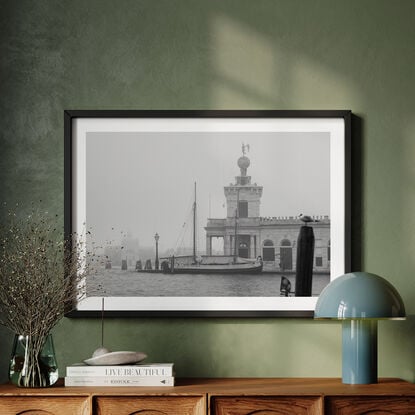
x=281, y=405
x=150, y=405
x=44, y=405
x=379, y=405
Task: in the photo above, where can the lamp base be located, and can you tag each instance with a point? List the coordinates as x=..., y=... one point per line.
x=360, y=351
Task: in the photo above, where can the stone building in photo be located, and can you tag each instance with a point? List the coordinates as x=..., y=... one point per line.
x=249, y=235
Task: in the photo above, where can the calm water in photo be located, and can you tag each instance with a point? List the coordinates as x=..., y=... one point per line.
x=118, y=283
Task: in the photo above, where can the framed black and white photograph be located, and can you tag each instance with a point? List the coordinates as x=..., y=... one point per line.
x=209, y=213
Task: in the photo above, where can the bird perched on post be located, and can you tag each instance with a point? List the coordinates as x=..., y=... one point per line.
x=307, y=219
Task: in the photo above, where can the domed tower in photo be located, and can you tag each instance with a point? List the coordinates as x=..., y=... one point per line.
x=243, y=201
x=240, y=228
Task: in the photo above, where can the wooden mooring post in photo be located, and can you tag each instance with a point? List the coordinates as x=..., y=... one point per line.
x=305, y=258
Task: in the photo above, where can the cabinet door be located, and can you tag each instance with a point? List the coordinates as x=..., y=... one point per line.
x=150, y=405
x=369, y=405
x=276, y=405
x=46, y=405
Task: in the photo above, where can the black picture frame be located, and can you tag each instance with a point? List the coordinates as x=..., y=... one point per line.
x=336, y=124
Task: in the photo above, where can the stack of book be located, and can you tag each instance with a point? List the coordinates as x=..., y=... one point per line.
x=154, y=374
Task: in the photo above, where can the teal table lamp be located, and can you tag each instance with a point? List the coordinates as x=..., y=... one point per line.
x=359, y=299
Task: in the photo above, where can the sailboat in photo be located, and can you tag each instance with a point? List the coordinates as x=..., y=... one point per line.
x=211, y=264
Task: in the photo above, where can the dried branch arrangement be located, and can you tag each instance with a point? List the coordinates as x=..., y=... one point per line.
x=41, y=277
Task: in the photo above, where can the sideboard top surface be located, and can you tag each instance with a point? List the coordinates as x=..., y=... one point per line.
x=230, y=387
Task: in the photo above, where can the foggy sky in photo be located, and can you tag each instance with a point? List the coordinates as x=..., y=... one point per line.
x=143, y=183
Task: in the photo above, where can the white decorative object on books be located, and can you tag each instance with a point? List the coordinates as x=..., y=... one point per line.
x=115, y=358
x=104, y=356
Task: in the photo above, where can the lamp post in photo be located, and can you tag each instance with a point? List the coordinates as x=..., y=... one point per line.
x=157, y=237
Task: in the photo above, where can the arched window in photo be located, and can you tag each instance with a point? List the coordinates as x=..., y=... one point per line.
x=286, y=255
x=268, y=251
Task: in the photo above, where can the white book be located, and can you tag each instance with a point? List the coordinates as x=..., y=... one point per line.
x=119, y=381
x=153, y=369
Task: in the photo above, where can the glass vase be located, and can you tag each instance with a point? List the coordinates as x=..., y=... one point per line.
x=33, y=361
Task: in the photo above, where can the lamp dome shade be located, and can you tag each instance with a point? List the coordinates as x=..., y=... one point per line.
x=359, y=295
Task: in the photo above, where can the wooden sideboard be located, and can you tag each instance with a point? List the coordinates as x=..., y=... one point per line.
x=259, y=396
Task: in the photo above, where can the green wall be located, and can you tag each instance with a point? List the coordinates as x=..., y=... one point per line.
x=223, y=54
